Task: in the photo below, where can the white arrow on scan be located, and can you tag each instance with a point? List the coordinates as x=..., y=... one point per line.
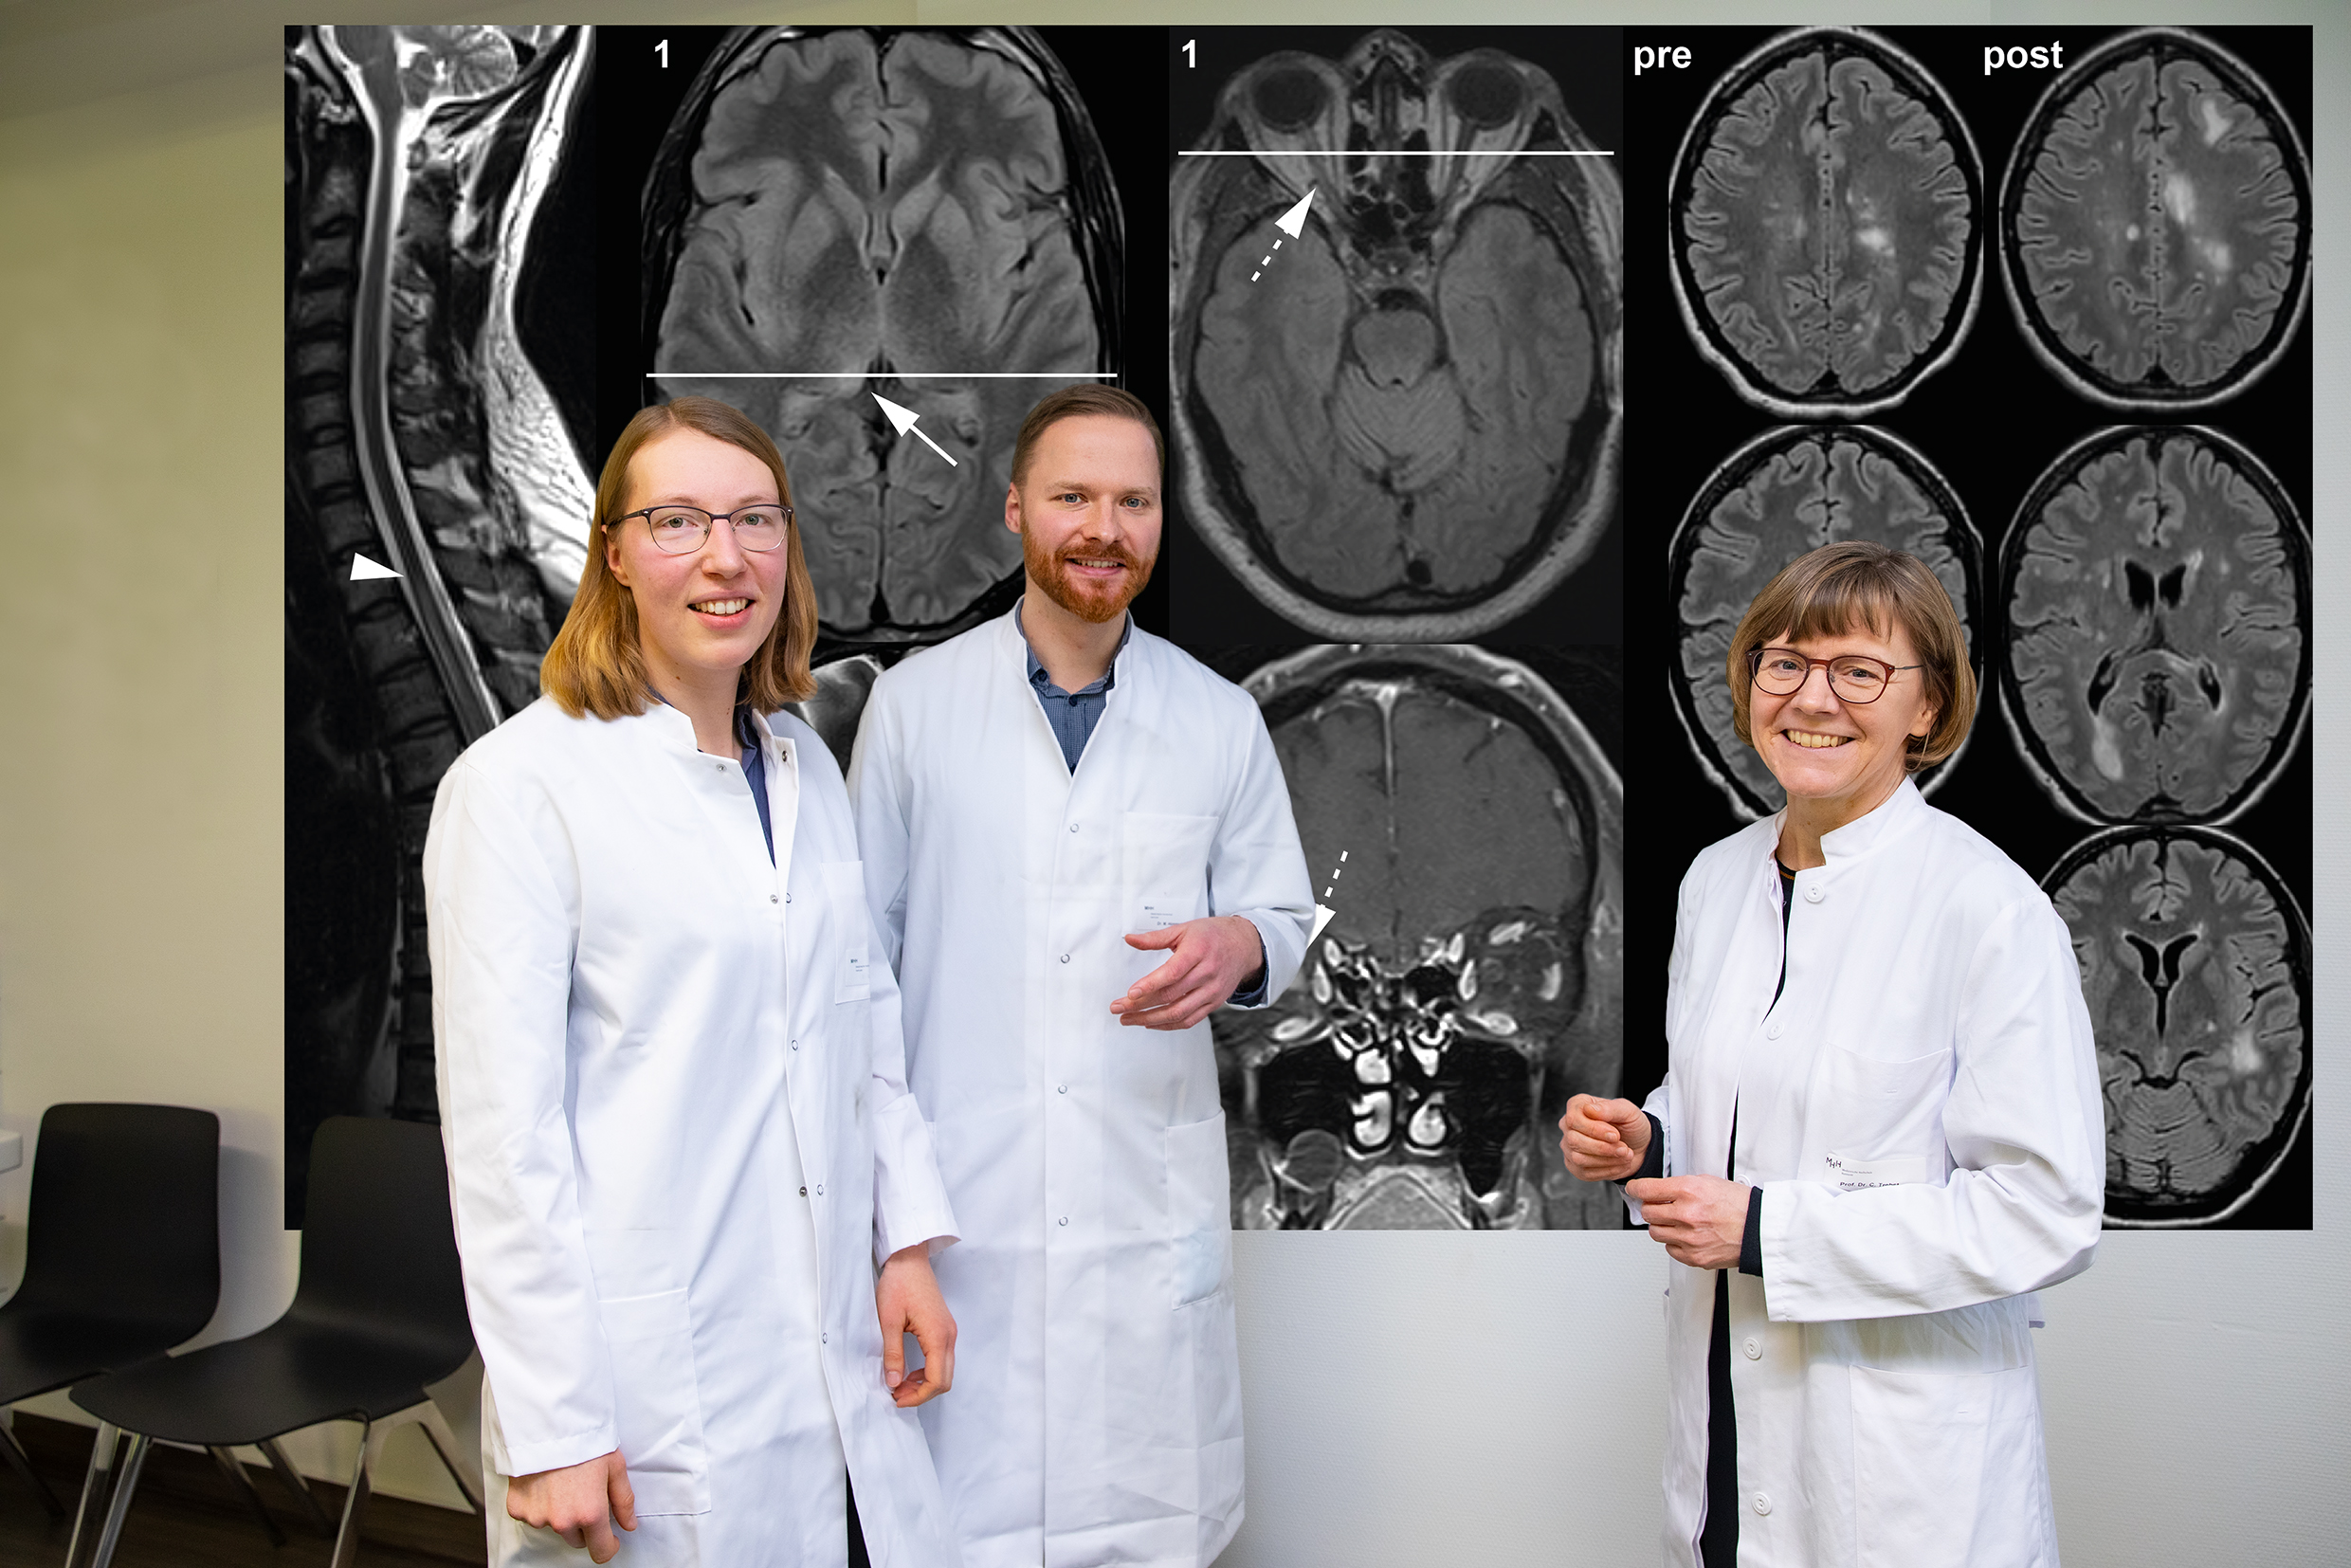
x=1322, y=918
x=1294, y=219
x=903, y=420
x=364, y=570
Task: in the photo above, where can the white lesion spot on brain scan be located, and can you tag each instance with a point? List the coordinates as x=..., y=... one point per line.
x=2196, y=966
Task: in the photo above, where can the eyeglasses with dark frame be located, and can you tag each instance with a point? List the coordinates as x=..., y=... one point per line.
x=683, y=530
x=1856, y=678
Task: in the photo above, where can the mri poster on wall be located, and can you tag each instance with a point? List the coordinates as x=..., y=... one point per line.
x=2032, y=308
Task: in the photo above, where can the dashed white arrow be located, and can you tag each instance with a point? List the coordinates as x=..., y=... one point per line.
x=904, y=420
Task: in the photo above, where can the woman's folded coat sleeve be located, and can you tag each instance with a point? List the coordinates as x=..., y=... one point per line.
x=2027, y=1133
x=503, y=901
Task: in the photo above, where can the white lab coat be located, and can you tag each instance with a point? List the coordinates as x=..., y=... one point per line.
x=1096, y=1413
x=652, y=1042
x=1921, y=1110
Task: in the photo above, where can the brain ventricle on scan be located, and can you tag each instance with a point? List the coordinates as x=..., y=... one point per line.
x=925, y=215
x=1470, y=977
x=1407, y=423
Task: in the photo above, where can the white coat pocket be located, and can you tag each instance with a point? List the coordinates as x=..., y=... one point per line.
x=1199, y=1200
x=660, y=1414
x=845, y=886
x=1930, y=1448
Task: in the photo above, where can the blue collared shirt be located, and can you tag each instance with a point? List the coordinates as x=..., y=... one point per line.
x=1073, y=716
x=1073, y=713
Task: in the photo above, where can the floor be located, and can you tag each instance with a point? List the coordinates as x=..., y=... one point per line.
x=186, y=1517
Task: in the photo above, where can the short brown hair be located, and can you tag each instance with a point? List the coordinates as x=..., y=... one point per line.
x=1087, y=397
x=1830, y=591
x=595, y=664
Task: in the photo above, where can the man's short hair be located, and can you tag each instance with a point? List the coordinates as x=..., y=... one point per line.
x=1087, y=397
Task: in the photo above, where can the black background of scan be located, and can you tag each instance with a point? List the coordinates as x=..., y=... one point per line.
x=631, y=98
x=1212, y=606
x=1991, y=421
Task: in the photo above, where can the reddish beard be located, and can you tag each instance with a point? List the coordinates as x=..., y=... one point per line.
x=1050, y=573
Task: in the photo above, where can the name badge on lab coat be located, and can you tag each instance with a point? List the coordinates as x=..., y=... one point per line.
x=845, y=885
x=1853, y=1175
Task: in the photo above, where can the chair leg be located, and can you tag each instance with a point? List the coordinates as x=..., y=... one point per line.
x=300, y=1487
x=444, y=1444
x=13, y=1451
x=241, y=1483
x=97, y=1488
x=372, y=1437
x=119, y=1509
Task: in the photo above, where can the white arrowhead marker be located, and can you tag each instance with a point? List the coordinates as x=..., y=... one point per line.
x=1294, y=219
x=903, y=420
x=364, y=570
x=1322, y=918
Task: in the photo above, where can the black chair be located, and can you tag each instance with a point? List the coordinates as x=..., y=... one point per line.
x=379, y=1313
x=121, y=1250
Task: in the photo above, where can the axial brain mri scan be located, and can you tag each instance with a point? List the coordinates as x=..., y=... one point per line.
x=1826, y=212
x=2156, y=224
x=2157, y=593
x=924, y=216
x=2197, y=967
x=1470, y=977
x=1408, y=424
x=1786, y=492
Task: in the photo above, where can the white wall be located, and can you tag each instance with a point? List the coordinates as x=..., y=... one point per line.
x=1411, y=1398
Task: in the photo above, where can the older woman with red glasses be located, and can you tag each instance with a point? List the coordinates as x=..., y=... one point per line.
x=1879, y=1128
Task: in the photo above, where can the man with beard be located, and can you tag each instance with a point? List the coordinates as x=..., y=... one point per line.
x=1078, y=843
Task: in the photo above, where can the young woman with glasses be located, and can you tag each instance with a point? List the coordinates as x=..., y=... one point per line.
x=672, y=1082
x=1879, y=1129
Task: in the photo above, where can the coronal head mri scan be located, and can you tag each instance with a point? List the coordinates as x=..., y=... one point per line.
x=2195, y=964
x=1398, y=413
x=1786, y=492
x=841, y=216
x=1465, y=832
x=1828, y=207
x=2156, y=224
x=2157, y=587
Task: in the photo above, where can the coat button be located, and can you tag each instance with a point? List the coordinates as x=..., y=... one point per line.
x=771, y=898
x=1065, y=1219
x=824, y=1339
x=1062, y=1088
x=820, y=1189
x=1762, y=1502
x=1065, y=957
x=1771, y=1029
x=1815, y=893
x=804, y=1192
x=1754, y=1349
x=1073, y=827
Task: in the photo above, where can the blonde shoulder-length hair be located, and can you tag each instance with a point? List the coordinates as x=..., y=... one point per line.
x=1839, y=589
x=595, y=665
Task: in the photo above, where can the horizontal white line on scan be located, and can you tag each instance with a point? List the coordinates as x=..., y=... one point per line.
x=877, y=375
x=1373, y=152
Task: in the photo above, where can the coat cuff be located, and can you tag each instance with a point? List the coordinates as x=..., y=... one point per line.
x=556, y=1453
x=1751, y=1244
x=1259, y=994
x=1653, y=1159
x=910, y=1205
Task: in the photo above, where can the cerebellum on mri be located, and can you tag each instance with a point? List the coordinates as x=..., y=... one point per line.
x=2156, y=591
x=2156, y=224
x=925, y=215
x=1828, y=210
x=1407, y=423
x=1471, y=975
